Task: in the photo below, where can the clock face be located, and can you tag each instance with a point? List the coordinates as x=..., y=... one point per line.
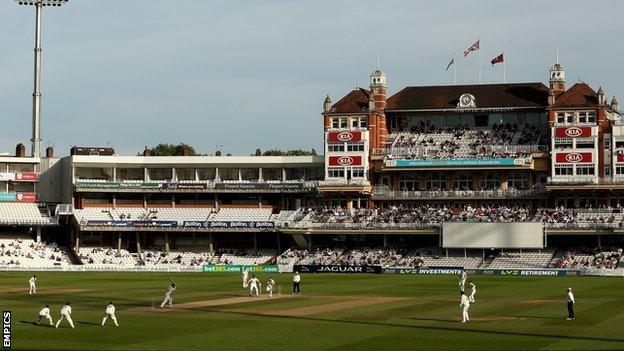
x=466, y=100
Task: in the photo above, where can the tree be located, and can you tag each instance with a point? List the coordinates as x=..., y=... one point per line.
x=278, y=152
x=173, y=150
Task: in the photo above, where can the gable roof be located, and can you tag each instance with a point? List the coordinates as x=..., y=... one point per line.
x=354, y=102
x=580, y=94
x=486, y=96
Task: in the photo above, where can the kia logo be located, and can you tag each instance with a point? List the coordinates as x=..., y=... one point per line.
x=345, y=136
x=574, y=157
x=573, y=132
x=345, y=161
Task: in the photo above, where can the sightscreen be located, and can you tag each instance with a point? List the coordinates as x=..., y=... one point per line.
x=469, y=235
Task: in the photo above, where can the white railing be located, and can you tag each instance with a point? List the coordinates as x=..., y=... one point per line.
x=573, y=180
x=583, y=225
x=498, y=193
x=344, y=182
x=369, y=225
x=499, y=150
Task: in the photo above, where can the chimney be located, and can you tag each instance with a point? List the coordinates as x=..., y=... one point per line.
x=49, y=152
x=20, y=150
x=147, y=152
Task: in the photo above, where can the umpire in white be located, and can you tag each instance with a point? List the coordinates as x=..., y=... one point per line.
x=296, y=283
x=571, y=303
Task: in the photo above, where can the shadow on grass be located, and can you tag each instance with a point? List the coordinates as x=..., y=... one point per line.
x=534, y=317
x=466, y=328
x=37, y=325
x=88, y=323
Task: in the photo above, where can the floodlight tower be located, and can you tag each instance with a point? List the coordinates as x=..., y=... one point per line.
x=36, y=108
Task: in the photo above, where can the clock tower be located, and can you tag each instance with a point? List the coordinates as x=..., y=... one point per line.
x=557, y=77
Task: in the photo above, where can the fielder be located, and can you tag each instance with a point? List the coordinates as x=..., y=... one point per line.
x=473, y=291
x=170, y=291
x=110, y=312
x=45, y=313
x=33, y=286
x=66, y=311
x=270, y=286
x=465, y=305
x=253, y=286
x=462, y=279
x=245, y=276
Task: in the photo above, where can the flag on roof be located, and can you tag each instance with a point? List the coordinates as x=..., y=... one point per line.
x=498, y=59
x=472, y=48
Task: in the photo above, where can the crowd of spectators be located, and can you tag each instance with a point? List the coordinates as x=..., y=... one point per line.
x=589, y=259
x=427, y=214
x=27, y=252
x=101, y=255
x=430, y=142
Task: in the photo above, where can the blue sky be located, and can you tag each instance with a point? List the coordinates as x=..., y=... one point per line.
x=248, y=74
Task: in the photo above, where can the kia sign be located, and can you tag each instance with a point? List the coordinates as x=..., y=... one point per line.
x=574, y=157
x=345, y=160
x=342, y=137
x=573, y=132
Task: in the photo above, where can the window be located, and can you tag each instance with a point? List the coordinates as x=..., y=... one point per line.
x=587, y=117
x=584, y=144
x=363, y=122
x=563, y=170
x=355, y=147
x=343, y=123
x=436, y=181
x=335, y=122
x=565, y=117
x=588, y=169
x=335, y=147
x=335, y=172
x=409, y=182
x=185, y=173
x=619, y=169
x=490, y=181
x=563, y=143
x=357, y=172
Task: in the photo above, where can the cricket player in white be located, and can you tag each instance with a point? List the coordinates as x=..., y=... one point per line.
x=473, y=291
x=170, y=291
x=253, y=285
x=465, y=305
x=66, y=312
x=270, y=286
x=110, y=312
x=33, y=286
x=245, y=276
x=462, y=279
x=45, y=313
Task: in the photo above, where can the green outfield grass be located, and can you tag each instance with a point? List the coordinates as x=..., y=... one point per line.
x=334, y=312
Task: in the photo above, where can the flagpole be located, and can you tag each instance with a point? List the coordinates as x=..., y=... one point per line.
x=479, y=63
x=454, y=71
x=504, y=67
